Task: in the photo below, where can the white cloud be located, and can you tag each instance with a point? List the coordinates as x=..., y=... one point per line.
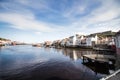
x=103, y=18
x=75, y=9
x=108, y=11
x=38, y=33
x=22, y=16
x=26, y=22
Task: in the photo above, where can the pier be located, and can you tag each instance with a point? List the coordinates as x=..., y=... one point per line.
x=99, y=63
x=98, y=58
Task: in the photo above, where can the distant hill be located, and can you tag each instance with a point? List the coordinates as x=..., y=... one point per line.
x=4, y=39
x=104, y=34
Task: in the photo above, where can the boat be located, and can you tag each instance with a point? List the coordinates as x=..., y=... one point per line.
x=36, y=45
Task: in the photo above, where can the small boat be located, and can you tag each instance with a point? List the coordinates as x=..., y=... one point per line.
x=36, y=45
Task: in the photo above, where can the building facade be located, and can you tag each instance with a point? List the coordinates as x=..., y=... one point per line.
x=91, y=40
x=117, y=42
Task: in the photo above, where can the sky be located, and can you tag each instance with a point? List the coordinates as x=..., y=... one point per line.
x=48, y=20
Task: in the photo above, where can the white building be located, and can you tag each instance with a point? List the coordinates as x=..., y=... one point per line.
x=91, y=40
x=72, y=41
x=63, y=42
x=80, y=40
x=76, y=40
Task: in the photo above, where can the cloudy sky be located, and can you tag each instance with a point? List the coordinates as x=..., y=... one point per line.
x=41, y=20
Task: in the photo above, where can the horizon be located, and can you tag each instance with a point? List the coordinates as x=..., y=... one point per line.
x=35, y=21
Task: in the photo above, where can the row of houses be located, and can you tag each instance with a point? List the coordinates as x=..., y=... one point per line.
x=84, y=40
x=79, y=40
x=89, y=40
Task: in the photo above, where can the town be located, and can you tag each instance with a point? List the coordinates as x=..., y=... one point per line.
x=104, y=40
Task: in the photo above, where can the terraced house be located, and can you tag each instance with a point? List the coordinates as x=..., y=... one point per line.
x=103, y=38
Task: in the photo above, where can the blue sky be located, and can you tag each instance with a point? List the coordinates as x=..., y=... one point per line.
x=41, y=20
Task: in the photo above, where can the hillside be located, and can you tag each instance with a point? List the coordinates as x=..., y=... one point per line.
x=104, y=34
x=4, y=39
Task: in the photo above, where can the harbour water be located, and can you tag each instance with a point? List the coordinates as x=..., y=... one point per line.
x=35, y=63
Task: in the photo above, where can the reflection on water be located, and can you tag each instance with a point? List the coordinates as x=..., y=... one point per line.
x=76, y=54
x=33, y=63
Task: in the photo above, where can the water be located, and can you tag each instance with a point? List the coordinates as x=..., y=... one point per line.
x=34, y=63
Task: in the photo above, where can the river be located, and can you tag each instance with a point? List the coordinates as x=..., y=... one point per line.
x=25, y=62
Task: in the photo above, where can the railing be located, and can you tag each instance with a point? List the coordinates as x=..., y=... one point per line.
x=112, y=75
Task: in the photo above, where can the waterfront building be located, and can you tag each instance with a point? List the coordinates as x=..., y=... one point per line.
x=116, y=74
x=99, y=39
x=106, y=37
x=81, y=40
x=109, y=40
x=63, y=42
x=71, y=41
x=76, y=40
x=117, y=42
x=91, y=40
x=47, y=43
x=56, y=43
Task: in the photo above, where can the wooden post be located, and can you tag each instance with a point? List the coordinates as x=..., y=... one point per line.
x=83, y=59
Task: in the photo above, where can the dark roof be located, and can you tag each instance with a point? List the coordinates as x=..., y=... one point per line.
x=71, y=36
x=92, y=35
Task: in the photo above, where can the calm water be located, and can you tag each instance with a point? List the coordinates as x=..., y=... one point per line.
x=33, y=63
